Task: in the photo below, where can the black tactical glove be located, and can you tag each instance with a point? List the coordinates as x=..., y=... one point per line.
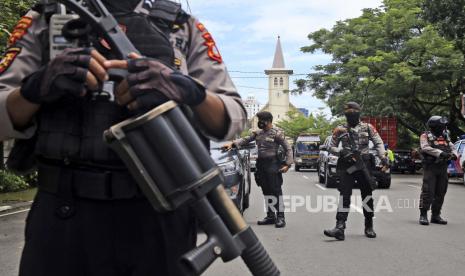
x=64, y=75
x=385, y=162
x=445, y=155
x=453, y=157
x=345, y=152
x=152, y=83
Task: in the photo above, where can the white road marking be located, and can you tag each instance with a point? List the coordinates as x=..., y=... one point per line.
x=304, y=176
x=4, y=208
x=321, y=187
x=413, y=186
x=13, y=213
x=356, y=208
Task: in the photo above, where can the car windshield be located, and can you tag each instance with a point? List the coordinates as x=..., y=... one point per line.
x=307, y=146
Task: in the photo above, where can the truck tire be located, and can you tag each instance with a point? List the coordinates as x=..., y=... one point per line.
x=297, y=168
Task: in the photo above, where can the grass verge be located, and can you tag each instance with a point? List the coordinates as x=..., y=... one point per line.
x=26, y=195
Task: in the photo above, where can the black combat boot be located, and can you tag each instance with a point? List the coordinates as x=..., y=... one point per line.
x=424, y=217
x=280, y=222
x=369, y=232
x=338, y=231
x=436, y=218
x=269, y=219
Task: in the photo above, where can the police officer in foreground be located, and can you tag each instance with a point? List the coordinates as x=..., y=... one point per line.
x=360, y=134
x=89, y=217
x=269, y=166
x=436, y=150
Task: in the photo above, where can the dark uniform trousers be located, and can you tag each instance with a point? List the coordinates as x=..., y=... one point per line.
x=270, y=180
x=433, y=191
x=347, y=183
x=116, y=237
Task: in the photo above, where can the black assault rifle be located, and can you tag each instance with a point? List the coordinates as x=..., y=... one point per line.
x=358, y=164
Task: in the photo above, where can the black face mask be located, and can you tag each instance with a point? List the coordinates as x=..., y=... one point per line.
x=438, y=131
x=261, y=124
x=353, y=118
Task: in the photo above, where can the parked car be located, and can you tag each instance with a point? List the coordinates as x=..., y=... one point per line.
x=306, y=151
x=327, y=163
x=253, y=157
x=326, y=166
x=236, y=170
x=403, y=162
x=455, y=168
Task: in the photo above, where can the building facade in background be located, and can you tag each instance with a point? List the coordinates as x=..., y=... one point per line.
x=252, y=106
x=303, y=111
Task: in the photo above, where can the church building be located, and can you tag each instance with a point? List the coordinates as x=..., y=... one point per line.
x=278, y=88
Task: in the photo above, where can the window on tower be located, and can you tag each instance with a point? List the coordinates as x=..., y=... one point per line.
x=275, y=81
x=281, y=82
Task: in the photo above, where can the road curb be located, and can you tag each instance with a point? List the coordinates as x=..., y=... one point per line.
x=5, y=209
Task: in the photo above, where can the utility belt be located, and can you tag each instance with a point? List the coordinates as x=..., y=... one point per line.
x=91, y=183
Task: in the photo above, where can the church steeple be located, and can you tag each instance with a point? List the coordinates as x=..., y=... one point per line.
x=278, y=61
x=278, y=85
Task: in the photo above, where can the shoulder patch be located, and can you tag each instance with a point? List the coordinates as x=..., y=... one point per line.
x=213, y=52
x=20, y=30
x=8, y=58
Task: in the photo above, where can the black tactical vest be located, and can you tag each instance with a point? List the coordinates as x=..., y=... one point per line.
x=441, y=143
x=72, y=129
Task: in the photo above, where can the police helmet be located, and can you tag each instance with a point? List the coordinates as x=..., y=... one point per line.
x=437, y=124
x=265, y=116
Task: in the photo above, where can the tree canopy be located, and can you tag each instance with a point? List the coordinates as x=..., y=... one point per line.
x=394, y=62
x=11, y=11
x=297, y=123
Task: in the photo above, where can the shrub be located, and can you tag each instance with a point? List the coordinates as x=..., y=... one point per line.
x=10, y=182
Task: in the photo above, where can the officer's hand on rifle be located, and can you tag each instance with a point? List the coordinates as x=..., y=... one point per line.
x=284, y=169
x=453, y=157
x=445, y=155
x=228, y=146
x=73, y=72
x=344, y=153
x=151, y=83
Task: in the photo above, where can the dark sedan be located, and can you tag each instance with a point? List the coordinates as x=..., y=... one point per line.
x=236, y=170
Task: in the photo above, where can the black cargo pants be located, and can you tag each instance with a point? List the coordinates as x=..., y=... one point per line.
x=347, y=183
x=434, y=189
x=270, y=180
x=118, y=237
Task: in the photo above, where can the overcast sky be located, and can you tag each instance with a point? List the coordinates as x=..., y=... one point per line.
x=246, y=32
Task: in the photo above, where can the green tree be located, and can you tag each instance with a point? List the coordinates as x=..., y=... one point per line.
x=393, y=62
x=10, y=12
x=315, y=123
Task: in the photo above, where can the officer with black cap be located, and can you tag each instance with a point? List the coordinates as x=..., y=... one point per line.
x=269, y=166
x=358, y=133
x=436, y=150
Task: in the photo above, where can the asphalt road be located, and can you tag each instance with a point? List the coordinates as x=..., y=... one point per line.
x=402, y=248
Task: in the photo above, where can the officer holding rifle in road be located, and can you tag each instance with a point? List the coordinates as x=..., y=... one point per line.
x=269, y=167
x=355, y=163
x=89, y=217
x=436, y=150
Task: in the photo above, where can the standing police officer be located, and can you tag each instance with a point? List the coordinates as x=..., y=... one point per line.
x=437, y=150
x=359, y=134
x=89, y=217
x=269, y=166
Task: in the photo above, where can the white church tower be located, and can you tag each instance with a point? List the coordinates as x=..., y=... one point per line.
x=278, y=88
x=278, y=85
